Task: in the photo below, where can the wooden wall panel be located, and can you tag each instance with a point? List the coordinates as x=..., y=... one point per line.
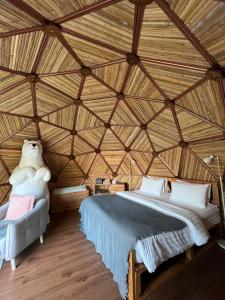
x=159, y=169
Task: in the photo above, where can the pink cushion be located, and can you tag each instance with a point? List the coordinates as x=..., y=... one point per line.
x=19, y=206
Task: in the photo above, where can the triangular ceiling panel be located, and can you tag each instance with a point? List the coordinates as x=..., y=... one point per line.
x=142, y=159
x=165, y=125
x=172, y=158
x=158, y=168
x=85, y=119
x=67, y=83
x=202, y=99
x=10, y=125
x=160, y=141
x=99, y=167
x=51, y=134
x=125, y=168
x=85, y=161
x=210, y=28
x=93, y=136
x=93, y=89
x=17, y=100
x=3, y=174
x=64, y=146
x=63, y=117
x=90, y=53
x=193, y=128
x=165, y=39
x=193, y=169
x=56, y=163
x=118, y=25
x=123, y=116
x=113, y=75
x=173, y=80
x=110, y=142
x=145, y=110
x=44, y=96
x=4, y=193
x=216, y=148
x=20, y=51
x=139, y=85
x=101, y=107
x=8, y=79
x=113, y=158
x=16, y=141
x=141, y=143
x=56, y=58
x=70, y=176
x=11, y=158
x=126, y=134
x=81, y=146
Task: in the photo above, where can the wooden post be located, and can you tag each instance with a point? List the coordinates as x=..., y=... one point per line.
x=131, y=277
x=190, y=254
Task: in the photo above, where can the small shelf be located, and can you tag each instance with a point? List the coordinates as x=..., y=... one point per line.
x=109, y=188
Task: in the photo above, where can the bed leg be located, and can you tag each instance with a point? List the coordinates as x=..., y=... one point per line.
x=190, y=254
x=131, y=277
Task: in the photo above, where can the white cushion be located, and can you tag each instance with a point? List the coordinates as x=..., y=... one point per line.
x=191, y=193
x=152, y=186
x=208, y=184
x=165, y=186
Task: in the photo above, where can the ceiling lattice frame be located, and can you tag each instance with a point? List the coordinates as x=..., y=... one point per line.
x=96, y=102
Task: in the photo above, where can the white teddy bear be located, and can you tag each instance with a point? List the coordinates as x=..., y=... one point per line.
x=32, y=175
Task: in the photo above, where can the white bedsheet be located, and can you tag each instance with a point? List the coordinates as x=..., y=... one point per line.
x=154, y=250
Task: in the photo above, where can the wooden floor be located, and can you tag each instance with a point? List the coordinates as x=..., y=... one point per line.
x=66, y=266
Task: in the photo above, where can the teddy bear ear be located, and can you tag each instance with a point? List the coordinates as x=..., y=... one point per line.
x=25, y=141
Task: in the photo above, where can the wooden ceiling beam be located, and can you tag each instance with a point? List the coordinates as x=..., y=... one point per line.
x=57, y=141
x=108, y=165
x=75, y=117
x=33, y=97
x=84, y=140
x=102, y=138
x=103, y=83
x=145, y=99
x=207, y=140
x=191, y=88
x=6, y=194
x=40, y=53
x=182, y=161
x=4, y=184
x=162, y=62
x=90, y=128
x=5, y=167
x=119, y=139
x=166, y=165
x=55, y=125
x=132, y=111
x=149, y=166
x=93, y=41
x=20, y=31
x=63, y=168
x=150, y=140
x=122, y=160
x=5, y=69
x=164, y=134
x=77, y=71
x=156, y=114
x=168, y=149
x=147, y=74
x=47, y=151
x=79, y=167
x=57, y=109
x=138, y=18
x=12, y=86
x=222, y=90
x=86, y=10
x=28, y=10
x=186, y=31
x=126, y=77
x=177, y=123
x=93, y=113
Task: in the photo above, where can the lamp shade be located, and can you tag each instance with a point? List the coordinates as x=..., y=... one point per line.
x=207, y=160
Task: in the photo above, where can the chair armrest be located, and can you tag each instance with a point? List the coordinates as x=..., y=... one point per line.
x=25, y=230
x=3, y=210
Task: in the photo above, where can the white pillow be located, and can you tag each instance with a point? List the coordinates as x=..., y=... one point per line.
x=165, y=186
x=153, y=187
x=191, y=193
x=208, y=184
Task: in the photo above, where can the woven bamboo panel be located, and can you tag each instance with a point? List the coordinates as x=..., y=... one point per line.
x=159, y=169
x=205, y=18
x=126, y=134
x=63, y=146
x=56, y=163
x=10, y=125
x=123, y=116
x=139, y=85
x=125, y=166
x=93, y=89
x=172, y=159
x=159, y=142
x=68, y=83
x=19, y=52
x=85, y=119
x=12, y=18
x=44, y=96
x=113, y=158
x=85, y=161
x=145, y=110
x=17, y=100
x=4, y=193
x=90, y=53
x=193, y=128
x=215, y=148
x=206, y=100
x=141, y=143
x=93, y=136
x=165, y=125
x=55, y=9
x=101, y=107
x=7, y=79
x=11, y=158
x=63, y=117
x=113, y=75
x=166, y=41
x=110, y=142
x=113, y=25
x=173, y=80
x=142, y=160
x=99, y=167
x=80, y=146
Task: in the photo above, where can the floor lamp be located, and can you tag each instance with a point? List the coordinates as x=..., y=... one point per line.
x=208, y=160
x=131, y=162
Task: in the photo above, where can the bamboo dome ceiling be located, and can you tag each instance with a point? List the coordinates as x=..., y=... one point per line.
x=99, y=82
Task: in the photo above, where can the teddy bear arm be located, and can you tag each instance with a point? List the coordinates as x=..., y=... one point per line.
x=19, y=175
x=43, y=173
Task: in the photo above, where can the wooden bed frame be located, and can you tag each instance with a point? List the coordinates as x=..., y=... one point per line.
x=135, y=291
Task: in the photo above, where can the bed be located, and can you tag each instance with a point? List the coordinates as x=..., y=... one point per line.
x=158, y=230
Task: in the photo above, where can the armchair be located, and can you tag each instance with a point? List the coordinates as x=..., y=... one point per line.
x=22, y=232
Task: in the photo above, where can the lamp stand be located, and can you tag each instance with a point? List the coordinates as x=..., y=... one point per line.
x=221, y=242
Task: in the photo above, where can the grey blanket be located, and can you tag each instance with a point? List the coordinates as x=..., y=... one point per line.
x=114, y=224
x=3, y=229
